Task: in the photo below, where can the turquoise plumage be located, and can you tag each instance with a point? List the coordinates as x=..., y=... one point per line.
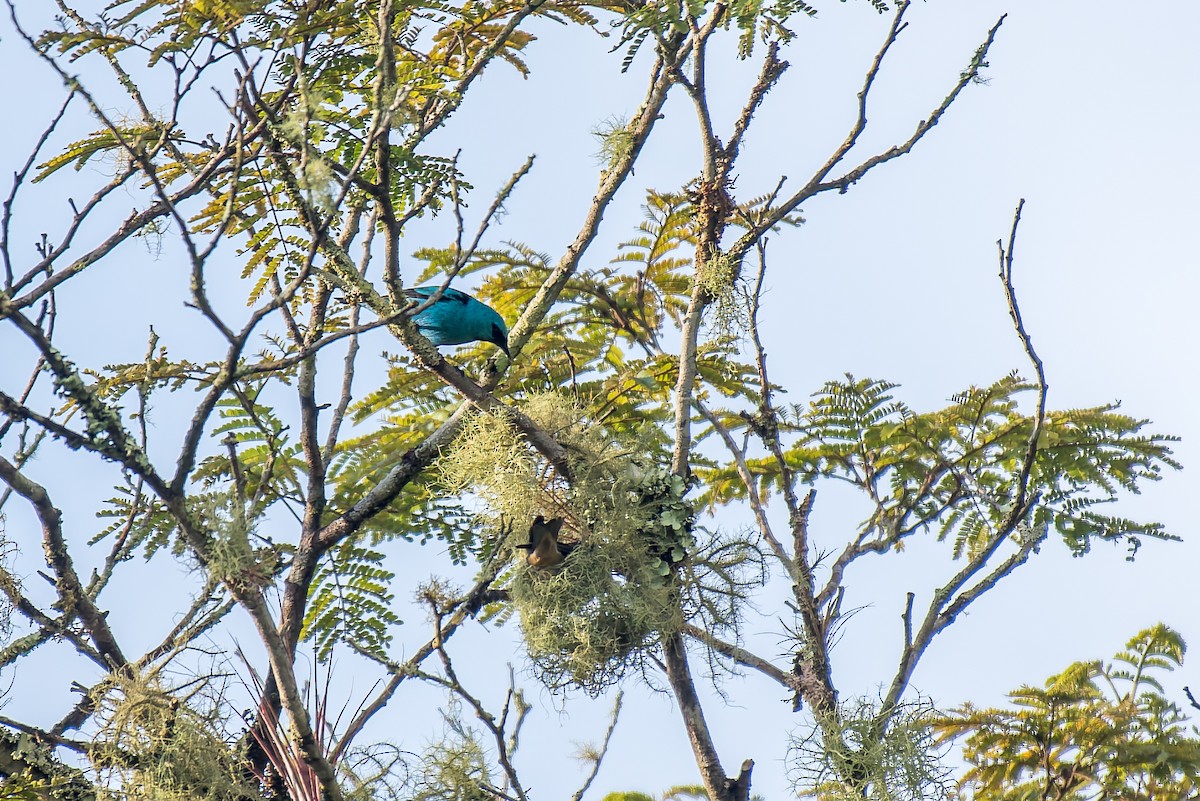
x=456, y=318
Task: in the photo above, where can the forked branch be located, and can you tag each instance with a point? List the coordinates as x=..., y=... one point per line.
x=950, y=600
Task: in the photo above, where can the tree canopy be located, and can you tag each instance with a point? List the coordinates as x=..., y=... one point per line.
x=306, y=445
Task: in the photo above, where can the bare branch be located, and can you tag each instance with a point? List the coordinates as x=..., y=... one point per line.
x=452, y=683
x=72, y=598
x=746, y=658
x=611, y=180
x=748, y=481
x=19, y=180
x=820, y=182
x=462, y=608
x=598, y=759
x=343, y=403
x=1006, y=259
x=684, y=689
x=772, y=70
x=950, y=600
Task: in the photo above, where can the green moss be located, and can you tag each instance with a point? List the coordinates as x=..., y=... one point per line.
x=616, y=141
x=489, y=460
x=852, y=758
x=453, y=768
x=154, y=746
x=230, y=557
x=590, y=622
x=596, y=617
x=728, y=315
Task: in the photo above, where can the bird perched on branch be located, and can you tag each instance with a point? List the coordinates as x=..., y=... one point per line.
x=456, y=317
x=544, y=548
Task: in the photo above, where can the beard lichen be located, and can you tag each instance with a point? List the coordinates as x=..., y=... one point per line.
x=596, y=618
x=154, y=743
x=862, y=753
x=230, y=556
x=728, y=316
x=488, y=460
x=599, y=614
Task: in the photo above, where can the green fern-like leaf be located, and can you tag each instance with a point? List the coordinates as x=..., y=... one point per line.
x=350, y=601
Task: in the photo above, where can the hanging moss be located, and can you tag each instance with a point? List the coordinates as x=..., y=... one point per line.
x=454, y=767
x=231, y=558
x=728, y=313
x=850, y=757
x=489, y=460
x=161, y=748
x=590, y=620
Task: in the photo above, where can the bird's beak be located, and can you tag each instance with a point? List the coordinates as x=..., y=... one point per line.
x=500, y=339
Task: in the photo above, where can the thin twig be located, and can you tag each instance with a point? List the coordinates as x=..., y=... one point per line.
x=599, y=757
x=745, y=658
x=820, y=181
x=953, y=598
x=463, y=608
x=452, y=683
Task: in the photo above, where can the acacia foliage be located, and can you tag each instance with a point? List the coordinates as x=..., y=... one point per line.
x=1097, y=730
x=954, y=470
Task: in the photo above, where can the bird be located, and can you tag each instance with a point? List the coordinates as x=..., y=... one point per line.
x=544, y=547
x=456, y=317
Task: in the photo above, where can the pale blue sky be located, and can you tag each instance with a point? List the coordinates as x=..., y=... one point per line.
x=1091, y=113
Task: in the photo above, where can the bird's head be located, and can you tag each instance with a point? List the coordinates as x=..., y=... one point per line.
x=499, y=334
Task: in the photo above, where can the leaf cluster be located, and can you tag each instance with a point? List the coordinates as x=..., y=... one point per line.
x=351, y=601
x=958, y=470
x=664, y=22
x=1097, y=730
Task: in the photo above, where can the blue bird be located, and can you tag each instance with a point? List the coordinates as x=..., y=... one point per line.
x=456, y=318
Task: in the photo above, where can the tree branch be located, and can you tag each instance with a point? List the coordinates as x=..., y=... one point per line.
x=951, y=600
x=745, y=658
x=599, y=757
x=73, y=599
x=820, y=182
